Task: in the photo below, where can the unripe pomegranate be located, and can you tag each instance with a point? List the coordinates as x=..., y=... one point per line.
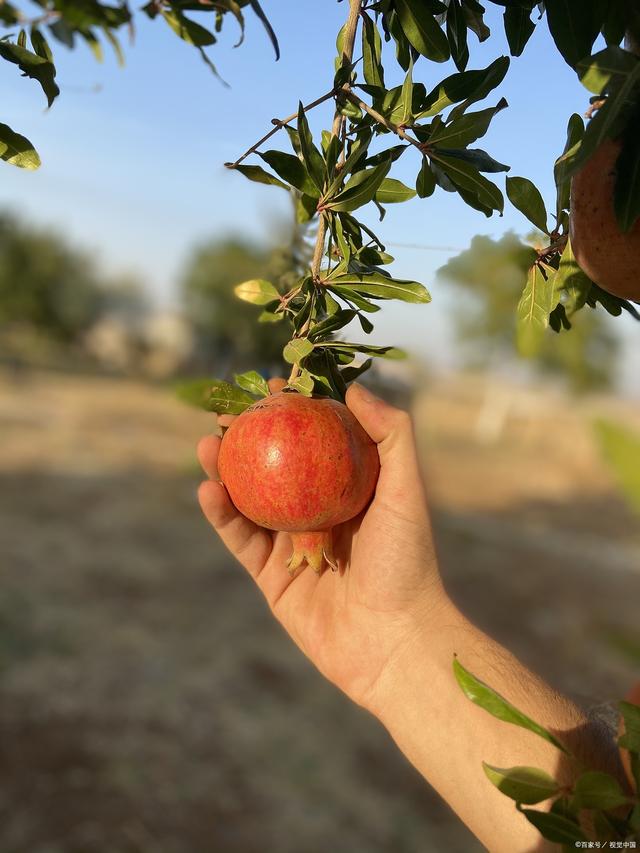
x=607, y=255
x=301, y=465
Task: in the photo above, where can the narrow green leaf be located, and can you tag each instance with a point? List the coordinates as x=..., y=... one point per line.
x=571, y=282
x=631, y=713
x=425, y=181
x=253, y=383
x=466, y=177
x=457, y=34
x=353, y=298
x=392, y=191
x=331, y=324
x=482, y=161
x=380, y=286
x=17, y=150
x=407, y=97
x=371, y=52
x=474, y=85
x=33, y=66
x=94, y=45
x=526, y=197
x=377, y=352
x=467, y=128
x=554, y=827
x=518, y=28
x=257, y=8
x=188, y=30
x=484, y=696
x=596, y=790
x=259, y=175
x=313, y=159
x=575, y=132
x=115, y=44
x=351, y=373
x=538, y=299
x=40, y=44
x=258, y=291
x=296, y=350
x=359, y=189
x=290, y=169
x=422, y=30
x=526, y=785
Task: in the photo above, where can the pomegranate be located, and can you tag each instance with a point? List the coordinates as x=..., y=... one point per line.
x=609, y=256
x=301, y=465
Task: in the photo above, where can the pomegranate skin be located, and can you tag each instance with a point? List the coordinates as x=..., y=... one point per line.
x=301, y=465
x=607, y=255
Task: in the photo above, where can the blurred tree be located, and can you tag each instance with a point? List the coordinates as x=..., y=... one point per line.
x=227, y=335
x=493, y=273
x=46, y=284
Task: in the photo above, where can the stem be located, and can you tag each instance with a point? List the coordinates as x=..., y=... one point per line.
x=351, y=28
x=394, y=128
x=279, y=123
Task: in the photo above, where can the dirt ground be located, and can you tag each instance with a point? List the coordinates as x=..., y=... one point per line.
x=149, y=703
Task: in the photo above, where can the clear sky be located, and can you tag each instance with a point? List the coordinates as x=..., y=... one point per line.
x=132, y=158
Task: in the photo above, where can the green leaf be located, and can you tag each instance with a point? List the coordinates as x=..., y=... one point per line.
x=253, y=383
x=571, y=282
x=596, y=790
x=484, y=696
x=523, y=784
x=422, y=30
x=296, y=350
x=620, y=448
x=258, y=174
x=473, y=85
x=257, y=8
x=303, y=383
x=331, y=324
x=371, y=52
x=40, y=44
x=518, y=28
x=526, y=197
x=380, y=286
x=457, y=34
x=626, y=191
x=538, y=300
x=115, y=44
x=353, y=298
x=391, y=191
x=306, y=207
x=258, y=291
x=376, y=352
x=473, y=15
x=351, y=373
x=610, y=65
x=61, y=31
x=482, y=161
x=17, y=150
x=91, y=39
x=466, y=177
x=188, y=30
x=493, y=76
x=329, y=381
x=466, y=129
x=574, y=26
x=214, y=395
x=407, y=97
x=555, y=827
x=313, y=160
x=269, y=317
x=359, y=189
x=575, y=132
x=33, y=66
x=425, y=181
x=290, y=169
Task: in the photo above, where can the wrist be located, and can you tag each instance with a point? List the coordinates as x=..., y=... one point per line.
x=426, y=646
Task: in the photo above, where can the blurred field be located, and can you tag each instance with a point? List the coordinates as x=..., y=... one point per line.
x=149, y=703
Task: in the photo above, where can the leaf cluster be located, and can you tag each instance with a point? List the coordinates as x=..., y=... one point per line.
x=614, y=811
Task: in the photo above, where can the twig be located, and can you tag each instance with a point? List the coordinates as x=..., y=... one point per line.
x=280, y=122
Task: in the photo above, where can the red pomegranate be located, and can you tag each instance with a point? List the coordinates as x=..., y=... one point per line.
x=301, y=465
x=609, y=256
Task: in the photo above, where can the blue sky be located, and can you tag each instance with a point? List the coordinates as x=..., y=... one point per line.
x=132, y=158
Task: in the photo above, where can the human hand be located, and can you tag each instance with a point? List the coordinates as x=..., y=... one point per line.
x=351, y=624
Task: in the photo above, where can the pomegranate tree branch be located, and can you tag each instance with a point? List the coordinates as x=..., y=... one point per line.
x=348, y=42
x=279, y=122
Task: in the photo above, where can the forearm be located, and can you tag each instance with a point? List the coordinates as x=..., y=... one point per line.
x=447, y=737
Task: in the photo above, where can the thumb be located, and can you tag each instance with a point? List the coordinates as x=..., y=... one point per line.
x=390, y=428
